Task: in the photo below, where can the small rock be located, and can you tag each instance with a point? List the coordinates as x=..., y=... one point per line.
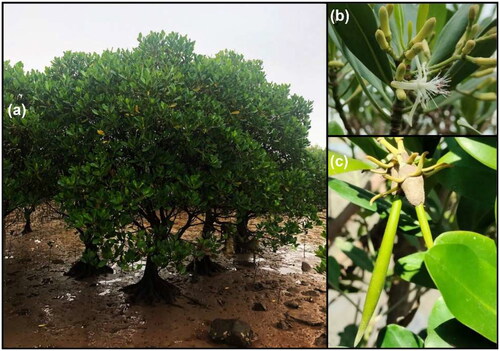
x=320, y=340
x=292, y=304
x=310, y=293
x=304, y=318
x=231, y=332
x=306, y=267
x=283, y=325
x=293, y=289
x=258, y=306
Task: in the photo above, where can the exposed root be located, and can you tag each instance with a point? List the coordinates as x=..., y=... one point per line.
x=81, y=270
x=152, y=289
x=205, y=266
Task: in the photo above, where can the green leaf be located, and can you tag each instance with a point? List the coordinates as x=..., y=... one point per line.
x=358, y=256
x=462, y=122
x=369, y=146
x=422, y=15
x=412, y=269
x=361, y=197
x=335, y=129
x=359, y=36
x=338, y=163
x=463, y=266
x=467, y=177
x=450, y=35
x=468, y=106
x=474, y=215
x=444, y=330
x=362, y=73
x=333, y=272
x=482, y=149
x=439, y=12
x=396, y=336
x=399, y=18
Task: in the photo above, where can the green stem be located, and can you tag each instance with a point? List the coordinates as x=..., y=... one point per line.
x=424, y=225
x=380, y=271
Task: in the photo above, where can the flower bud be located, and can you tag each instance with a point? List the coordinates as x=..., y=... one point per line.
x=426, y=50
x=382, y=42
x=482, y=61
x=390, y=8
x=492, y=30
x=468, y=47
x=474, y=30
x=485, y=83
x=414, y=51
x=410, y=30
x=483, y=72
x=401, y=95
x=384, y=22
x=486, y=96
x=425, y=31
x=335, y=64
x=473, y=11
x=400, y=72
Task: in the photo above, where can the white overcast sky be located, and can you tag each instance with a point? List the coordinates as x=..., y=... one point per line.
x=288, y=38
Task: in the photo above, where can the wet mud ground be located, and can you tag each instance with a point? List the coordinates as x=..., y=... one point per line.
x=44, y=308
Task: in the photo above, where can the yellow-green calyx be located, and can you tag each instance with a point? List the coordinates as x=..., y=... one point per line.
x=400, y=72
x=384, y=22
x=468, y=47
x=425, y=31
x=381, y=40
x=414, y=51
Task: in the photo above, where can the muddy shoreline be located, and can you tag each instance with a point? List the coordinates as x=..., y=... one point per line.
x=44, y=308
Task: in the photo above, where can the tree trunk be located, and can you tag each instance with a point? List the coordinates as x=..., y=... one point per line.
x=242, y=237
x=205, y=266
x=208, y=226
x=152, y=288
x=81, y=270
x=27, y=217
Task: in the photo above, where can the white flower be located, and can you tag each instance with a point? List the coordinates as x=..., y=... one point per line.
x=424, y=89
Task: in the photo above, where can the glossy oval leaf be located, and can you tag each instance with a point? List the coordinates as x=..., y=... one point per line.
x=338, y=163
x=333, y=272
x=358, y=34
x=468, y=177
x=412, y=269
x=396, y=336
x=463, y=267
x=358, y=256
x=450, y=35
x=361, y=197
x=482, y=149
x=445, y=331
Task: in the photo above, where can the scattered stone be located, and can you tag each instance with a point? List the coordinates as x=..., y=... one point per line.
x=320, y=340
x=293, y=289
x=284, y=325
x=310, y=293
x=306, y=267
x=292, y=304
x=306, y=318
x=258, y=306
x=232, y=332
